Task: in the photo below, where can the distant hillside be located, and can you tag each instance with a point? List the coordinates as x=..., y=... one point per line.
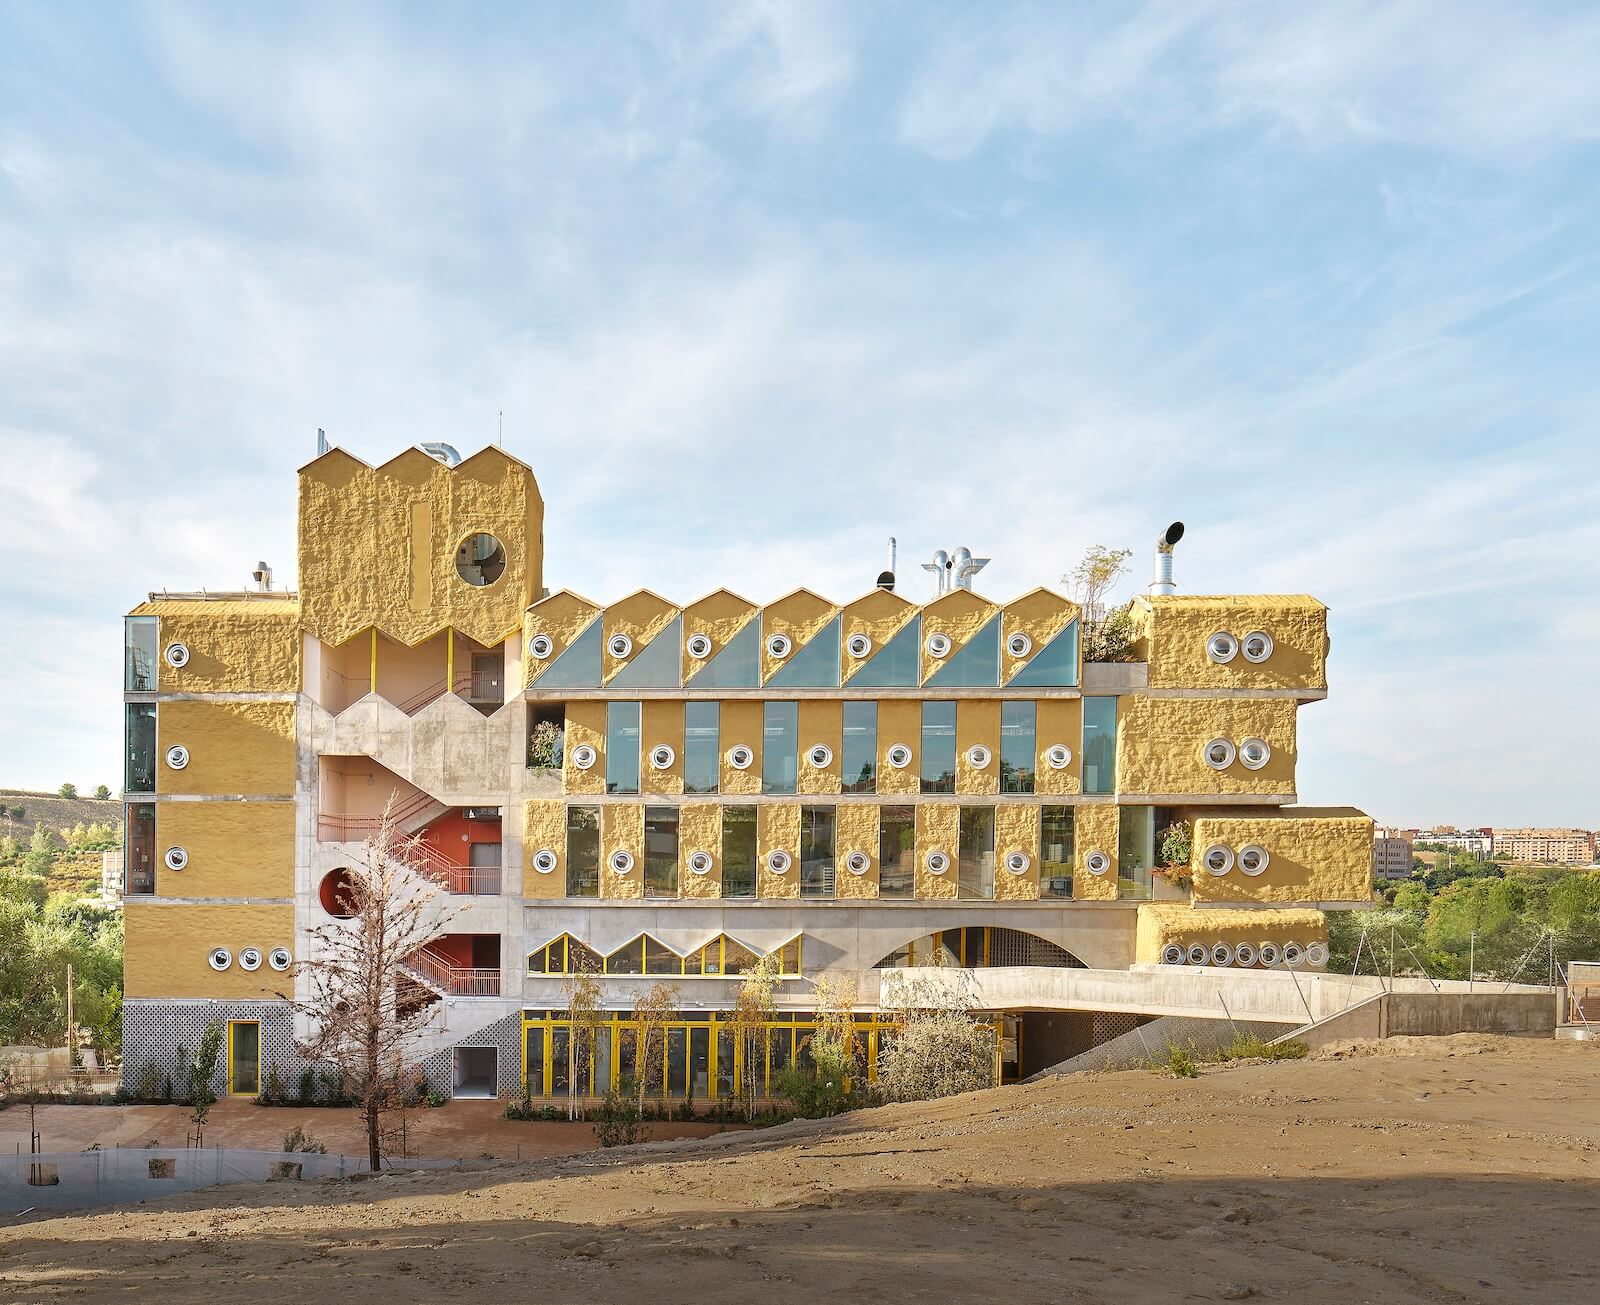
x=53, y=812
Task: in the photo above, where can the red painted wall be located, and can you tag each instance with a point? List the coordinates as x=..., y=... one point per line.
x=444, y=835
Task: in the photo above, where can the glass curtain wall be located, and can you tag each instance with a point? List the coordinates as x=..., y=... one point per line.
x=622, y=747
x=859, y=753
x=139, y=646
x=1099, y=745
x=780, y=746
x=1018, y=746
x=140, y=776
x=139, y=872
x=816, y=852
x=1055, y=851
x=583, y=851
x=701, y=746
x=975, y=863
x=1136, y=852
x=897, y=851
x=661, y=851
x=938, y=747
x=739, y=851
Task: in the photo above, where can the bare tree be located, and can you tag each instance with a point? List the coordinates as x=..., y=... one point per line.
x=365, y=979
x=752, y=1012
x=583, y=992
x=939, y=1046
x=1106, y=633
x=651, y=1012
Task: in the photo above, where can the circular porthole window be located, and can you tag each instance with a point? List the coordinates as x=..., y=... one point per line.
x=779, y=861
x=1267, y=953
x=1018, y=863
x=662, y=756
x=857, y=863
x=898, y=756
x=1293, y=954
x=740, y=757
x=1255, y=753
x=1172, y=954
x=858, y=644
x=698, y=645
x=700, y=862
x=619, y=646
x=177, y=756
x=541, y=646
x=177, y=655
x=1058, y=756
x=480, y=560
x=621, y=861
x=177, y=858
x=220, y=958
x=979, y=757
x=1317, y=953
x=1197, y=954
x=820, y=755
x=338, y=894
x=545, y=861
x=280, y=959
x=250, y=959
x=1253, y=858
x=779, y=646
x=1218, y=754
x=1019, y=644
x=1221, y=954
x=1256, y=646
x=1222, y=647
x=938, y=862
x=583, y=756
x=1096, y=862
x=1218, y=860
x=1244, y=954
x=938, y=645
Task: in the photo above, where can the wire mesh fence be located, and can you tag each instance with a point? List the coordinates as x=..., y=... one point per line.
x=82, y=1180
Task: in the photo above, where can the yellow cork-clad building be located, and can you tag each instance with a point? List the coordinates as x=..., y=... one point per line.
x=654, y=788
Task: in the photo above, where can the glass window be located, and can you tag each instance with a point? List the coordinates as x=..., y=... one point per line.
x=139, y=876
x=897, y=851
x=897, y=665
x=702, y=746
x=859, y=753
x=622, y=747
x=661, y=959
x=976, y=861
x=578, y=666
x=141, y=769
x=780, y=746
x=1055, y=851
x=1018, y=746
x=139, y=648
x=583, y=851
x=814, y=666
x=737, y=665
x=938, y=747
x=244, y=1058
x=627, y=959
x=661, y=851
x=1099, y=745
x=1136, y=851
x=976, y=665
x=658, y=665
x=1055, y=666
x=738, y=851
x=816, y=851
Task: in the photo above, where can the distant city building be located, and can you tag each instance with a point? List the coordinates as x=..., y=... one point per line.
x=1563, y=846
x=1479, y=842
x=1391, y=853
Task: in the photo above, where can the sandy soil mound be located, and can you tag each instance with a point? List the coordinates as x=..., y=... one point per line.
x=1449, y=1170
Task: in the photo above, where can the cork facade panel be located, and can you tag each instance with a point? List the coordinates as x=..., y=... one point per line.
x=235, y=748
x=977, y=725
x=778, y=827
x=1096, y=829
x=899, y=721
x=801, y=616
x=561, y=618
x=959, y=614
x=378, y=546
x=880, y=616
x=586, y=724
x=1041, y=615
x=234, y=849
x=544, y=827
x=856, y=830
x=700, y=830
x=1315, y=854
x=821, y=721
x=1161, y=923
x=1160, y=744
x=1016, y=829
x=622, y=829
x=641, y=616
x=938, y=827
x=661, y=723
x=740, y=723
x=168, y=946
x=1178, y=628
x=1058, y=721
x=719, y=616
x=245, y=646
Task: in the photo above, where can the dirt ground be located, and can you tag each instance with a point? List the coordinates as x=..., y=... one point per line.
x=462, y=1130
x=1440, y=1170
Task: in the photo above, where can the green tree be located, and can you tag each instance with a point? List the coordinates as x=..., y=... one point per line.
x=67, y=791
x=41, y=851
x=201, y=1070
x=101, y=792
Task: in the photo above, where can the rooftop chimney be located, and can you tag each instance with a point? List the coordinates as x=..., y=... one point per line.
x=1161, y=581
x=262, y=575
x=886, y=578
x=954, y=570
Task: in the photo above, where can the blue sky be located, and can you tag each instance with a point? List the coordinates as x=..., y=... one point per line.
x=757, y=285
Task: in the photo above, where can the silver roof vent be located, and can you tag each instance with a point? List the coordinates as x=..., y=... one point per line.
x=262, y=575
x=955, y=570
x=446, y=453
x=1161, y=581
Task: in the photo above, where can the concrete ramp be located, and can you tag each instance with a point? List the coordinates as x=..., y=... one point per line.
x=1149, y=1042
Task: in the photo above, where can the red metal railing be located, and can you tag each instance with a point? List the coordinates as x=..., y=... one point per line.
x=417, y=701
x=452, y=876
x=438, y=972
x=343, y=829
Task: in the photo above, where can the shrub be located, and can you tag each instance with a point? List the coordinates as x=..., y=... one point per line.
x=148, y=1084
x=939, y=1047
x=297, y=1139
x=1180, y=1062
x=545, y=746
x=616, y=1120
x=308, y=1086
x=1247, y=1046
